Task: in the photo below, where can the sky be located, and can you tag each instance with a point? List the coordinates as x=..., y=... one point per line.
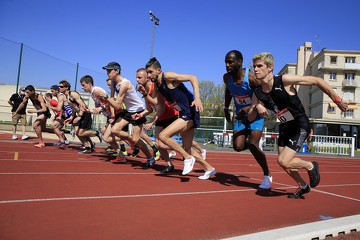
x=193, y=36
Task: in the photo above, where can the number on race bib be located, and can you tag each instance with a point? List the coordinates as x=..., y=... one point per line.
x=284, y=115
x=243, y=100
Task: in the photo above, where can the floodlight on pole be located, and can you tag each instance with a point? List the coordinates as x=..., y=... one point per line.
x=156, y=22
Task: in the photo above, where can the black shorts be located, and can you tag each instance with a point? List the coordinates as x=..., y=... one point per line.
x=294, y=133
x=85, y=121
x=46, y=113
x=121, y=115
x=127, y=116
x=166, y=122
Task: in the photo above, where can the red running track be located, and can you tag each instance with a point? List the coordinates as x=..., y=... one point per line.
x=56, y=193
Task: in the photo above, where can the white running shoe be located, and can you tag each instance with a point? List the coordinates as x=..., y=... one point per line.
x=172, y=154
x=203, y=154
x=188, y=165
x=14, y=137
x=67, y=142
x=24, y=137
x=208, y=174
x=266, y=183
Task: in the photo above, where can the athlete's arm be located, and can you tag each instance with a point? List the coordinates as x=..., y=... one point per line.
x=321, y=83
x=175, y=77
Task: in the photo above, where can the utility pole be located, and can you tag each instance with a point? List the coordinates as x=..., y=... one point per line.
x=156, y=22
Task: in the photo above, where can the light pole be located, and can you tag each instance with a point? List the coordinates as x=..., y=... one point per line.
x=156, y=22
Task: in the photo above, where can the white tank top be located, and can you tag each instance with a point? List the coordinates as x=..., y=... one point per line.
x=131, y=99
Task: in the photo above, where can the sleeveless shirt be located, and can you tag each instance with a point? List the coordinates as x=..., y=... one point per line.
x=286, y=107
x=180, y=98
x=242, y=94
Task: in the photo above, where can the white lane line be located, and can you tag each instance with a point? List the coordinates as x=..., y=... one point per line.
x=336, y=195
x=121, y=196
x=328, y=193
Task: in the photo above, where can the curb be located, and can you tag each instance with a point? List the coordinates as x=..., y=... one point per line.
x=309, y=231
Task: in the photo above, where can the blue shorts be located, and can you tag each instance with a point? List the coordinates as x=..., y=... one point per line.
x=244, y=124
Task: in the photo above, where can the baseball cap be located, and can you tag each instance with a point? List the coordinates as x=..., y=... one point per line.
x=55, y=87
x=112, y=65
x=22, y=89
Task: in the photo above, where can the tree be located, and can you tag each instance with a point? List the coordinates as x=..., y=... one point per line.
x=212, y=98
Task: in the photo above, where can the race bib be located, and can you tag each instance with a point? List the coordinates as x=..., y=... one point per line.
x=243, y=100
x=284, y=115
x=175, y=106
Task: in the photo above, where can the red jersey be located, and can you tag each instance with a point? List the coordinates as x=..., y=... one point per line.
x=169, y=112
x=54, y=103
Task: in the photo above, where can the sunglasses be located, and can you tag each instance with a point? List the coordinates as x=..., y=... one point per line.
x=62, y=87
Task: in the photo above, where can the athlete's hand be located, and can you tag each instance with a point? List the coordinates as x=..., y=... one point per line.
x=343, y=105
x=227, y=115
x=136, y=116
x=141, y=89
x=198, y=105
x=147, y=126
x=262, y=110
x=99, y=94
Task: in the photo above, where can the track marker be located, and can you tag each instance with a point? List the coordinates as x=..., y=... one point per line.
x=16, y=155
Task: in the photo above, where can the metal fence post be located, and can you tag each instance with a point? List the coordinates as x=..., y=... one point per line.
x=19, y=68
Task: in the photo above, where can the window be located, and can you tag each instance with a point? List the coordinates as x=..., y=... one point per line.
x=332, y=77
x=349, y=59
x=349, y=76
x=333, y=59
x=331, y=109
x=349, y=95
x=349, y=113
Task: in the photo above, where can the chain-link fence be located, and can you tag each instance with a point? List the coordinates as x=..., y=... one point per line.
x=22, y=65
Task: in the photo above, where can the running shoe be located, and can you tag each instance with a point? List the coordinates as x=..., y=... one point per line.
x=266, y=183
x=114, y=154
x=108, y=149
x=59, y=143
x=67, y=142
x=168, y=169
x=299, y=192
x=125, y=153
x=172, y=154
x=314, y=175
x=188, y=165
x=119, y=159
x=203, y=154
x=150, y=162
x=157, y=155
x=87, y=150
x=14, y=137
x=207, y=174
x=24, y=137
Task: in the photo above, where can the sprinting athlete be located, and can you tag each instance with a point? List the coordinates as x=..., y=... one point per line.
x=238, y=85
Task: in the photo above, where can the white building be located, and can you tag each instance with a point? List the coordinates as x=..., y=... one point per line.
x=341, y=69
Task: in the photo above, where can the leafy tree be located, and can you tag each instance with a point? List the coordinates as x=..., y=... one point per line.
x=212, y=98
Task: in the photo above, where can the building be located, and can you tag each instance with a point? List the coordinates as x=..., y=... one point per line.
x=341, y=69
